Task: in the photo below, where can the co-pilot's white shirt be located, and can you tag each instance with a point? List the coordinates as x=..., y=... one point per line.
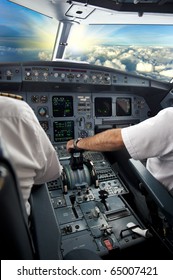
x=28, y=146
x=152, y=139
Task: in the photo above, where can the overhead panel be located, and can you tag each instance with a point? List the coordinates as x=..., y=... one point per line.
x=104, y=12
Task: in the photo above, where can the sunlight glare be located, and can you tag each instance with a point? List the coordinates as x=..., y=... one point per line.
x=79, y=41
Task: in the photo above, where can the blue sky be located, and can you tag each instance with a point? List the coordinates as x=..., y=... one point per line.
x=135, y=34
x=16, y=27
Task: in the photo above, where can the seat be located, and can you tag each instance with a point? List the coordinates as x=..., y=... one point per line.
x=15, y=238
x=158, y=201
x=45, y=230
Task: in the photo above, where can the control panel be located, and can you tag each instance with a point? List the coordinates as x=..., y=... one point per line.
x=74, y=100
x=66, y=115
x=66, y=75
x=89, y=206
x=65, y=72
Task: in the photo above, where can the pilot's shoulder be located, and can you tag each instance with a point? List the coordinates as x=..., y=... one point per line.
x=166, y=112
x=14, y=107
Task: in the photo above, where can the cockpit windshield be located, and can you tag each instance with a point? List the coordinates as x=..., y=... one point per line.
x=146, y=49
x=25, y=34
x=142, y=49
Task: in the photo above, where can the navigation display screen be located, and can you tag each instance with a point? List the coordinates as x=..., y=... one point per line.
x=123, y=106
x=103, y=107
x=63, y=131
x=62, y=106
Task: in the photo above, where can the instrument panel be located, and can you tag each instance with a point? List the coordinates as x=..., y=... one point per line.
x=64, y=116
x=74, y=100
x=61, y=72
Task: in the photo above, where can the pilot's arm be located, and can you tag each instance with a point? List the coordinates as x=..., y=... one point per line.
x=150, y=139
x=109, y=140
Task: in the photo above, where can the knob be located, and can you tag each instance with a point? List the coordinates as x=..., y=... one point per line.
x=96, y=212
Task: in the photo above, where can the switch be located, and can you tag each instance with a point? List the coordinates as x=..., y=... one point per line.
x=108, y=244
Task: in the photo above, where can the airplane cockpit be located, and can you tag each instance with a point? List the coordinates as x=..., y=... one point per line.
x=85, y=67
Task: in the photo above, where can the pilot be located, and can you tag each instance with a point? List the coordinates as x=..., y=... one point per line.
x=150, y=140
x=29, y=148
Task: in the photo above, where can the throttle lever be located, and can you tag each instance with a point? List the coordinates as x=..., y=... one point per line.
x=76, y=160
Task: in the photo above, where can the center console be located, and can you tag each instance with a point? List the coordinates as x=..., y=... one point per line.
x=90, y=206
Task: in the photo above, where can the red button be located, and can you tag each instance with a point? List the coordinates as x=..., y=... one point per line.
x=108, y=244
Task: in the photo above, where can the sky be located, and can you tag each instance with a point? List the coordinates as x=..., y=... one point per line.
x=17, y=32
x=141, y=49
x=139, y=35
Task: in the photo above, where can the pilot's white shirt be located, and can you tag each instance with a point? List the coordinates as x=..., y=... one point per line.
x=152, y=139
x=28, y=146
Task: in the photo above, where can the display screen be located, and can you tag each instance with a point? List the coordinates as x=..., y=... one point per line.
x=103, y=107
x=62, y=106
x=63, y=131
x=123, y=106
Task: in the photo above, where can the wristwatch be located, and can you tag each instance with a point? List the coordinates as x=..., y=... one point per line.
x=75, y=143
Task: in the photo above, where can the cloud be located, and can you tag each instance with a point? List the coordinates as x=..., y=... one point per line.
x=44, y=55
x=155, y=62
x=116, y=64
x=167, y=73
x=144, y=67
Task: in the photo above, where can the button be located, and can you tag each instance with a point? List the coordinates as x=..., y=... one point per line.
x=108, y=244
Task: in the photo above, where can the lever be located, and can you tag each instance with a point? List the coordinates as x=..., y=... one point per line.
x=142, y=232
x=73, y=199
x=76, y=160
x=103, y=195
x=96, y=212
